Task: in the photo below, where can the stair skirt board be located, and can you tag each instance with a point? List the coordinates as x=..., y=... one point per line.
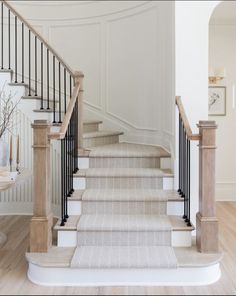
x=181, y=276
x=124, y=257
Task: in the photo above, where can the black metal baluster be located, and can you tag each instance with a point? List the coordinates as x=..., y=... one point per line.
x=29, y=63
x=76, y=136
x=179, y=191
x=59, y=71
x=65, y=91
x=184, y=173
x=2, y=15
x=62, y=182
x=41, y=76
x=23, y=53
x=15, y=49
x=54, y=92
x=66, y=179
x=36, y=66
x=48, y=73
x=9, y=39
x=65, y=191
x=189, y=180
x=182, y=157
x=71, y=157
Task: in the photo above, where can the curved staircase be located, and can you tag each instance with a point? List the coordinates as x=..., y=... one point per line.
x=122, y=221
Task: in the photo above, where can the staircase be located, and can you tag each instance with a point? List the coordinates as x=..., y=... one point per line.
x=122, y=221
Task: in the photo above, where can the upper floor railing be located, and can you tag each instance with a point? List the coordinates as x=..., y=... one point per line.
x=35, y=63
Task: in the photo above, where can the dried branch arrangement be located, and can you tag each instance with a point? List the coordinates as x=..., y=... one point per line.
x=7, y=110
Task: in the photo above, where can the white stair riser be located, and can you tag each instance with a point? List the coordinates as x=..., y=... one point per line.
x=100, y=141
x=181, y=238
x=68, y=238
x=173, y=208
x=83, y=163
x=89, y=128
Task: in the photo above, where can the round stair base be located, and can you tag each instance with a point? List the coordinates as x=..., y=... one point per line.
x=182, y=276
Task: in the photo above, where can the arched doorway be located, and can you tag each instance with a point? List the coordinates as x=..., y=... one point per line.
x=222, y=95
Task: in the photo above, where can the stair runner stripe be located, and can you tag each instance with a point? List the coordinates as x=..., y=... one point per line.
x=124, y=257
x=124, y=223
x=125, y=195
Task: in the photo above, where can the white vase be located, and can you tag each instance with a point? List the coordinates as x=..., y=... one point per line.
x=4, y=153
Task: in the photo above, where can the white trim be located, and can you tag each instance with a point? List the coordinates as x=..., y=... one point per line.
x=183, y=276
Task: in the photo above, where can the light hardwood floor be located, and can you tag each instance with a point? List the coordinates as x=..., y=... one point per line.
x=13, y=266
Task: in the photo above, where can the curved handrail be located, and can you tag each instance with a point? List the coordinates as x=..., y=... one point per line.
x=64, y=127
x=40, y=37
x=189, y=133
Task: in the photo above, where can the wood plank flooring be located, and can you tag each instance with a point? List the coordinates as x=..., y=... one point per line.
x=13, y=266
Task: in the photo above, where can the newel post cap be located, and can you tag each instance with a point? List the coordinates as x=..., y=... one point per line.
x=79, y=74
x=40, y=123
x=207, y=124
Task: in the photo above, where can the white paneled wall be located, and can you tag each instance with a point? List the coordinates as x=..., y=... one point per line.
x=126, y=50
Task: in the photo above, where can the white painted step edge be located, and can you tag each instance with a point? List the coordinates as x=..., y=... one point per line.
x=182, y=276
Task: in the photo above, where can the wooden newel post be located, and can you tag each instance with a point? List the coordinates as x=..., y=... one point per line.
x=207, y=223
x=80, y=79
x=41, y=223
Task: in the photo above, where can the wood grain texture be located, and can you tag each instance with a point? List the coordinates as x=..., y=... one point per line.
x=41, y=223
x=207, y=224
x=13, y=266
x=190, y=135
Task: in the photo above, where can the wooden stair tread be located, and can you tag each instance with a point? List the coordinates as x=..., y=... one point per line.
x=176, y=222
x=124, y=172
x=99, y=134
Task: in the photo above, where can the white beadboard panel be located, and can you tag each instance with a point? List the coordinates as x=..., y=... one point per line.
x=87, y=52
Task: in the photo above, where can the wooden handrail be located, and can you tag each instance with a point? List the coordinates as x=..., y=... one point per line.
x=62, y=133
x=40, y=37
x=189, y=133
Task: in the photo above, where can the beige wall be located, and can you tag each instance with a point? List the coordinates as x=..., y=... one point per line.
x=222, y=52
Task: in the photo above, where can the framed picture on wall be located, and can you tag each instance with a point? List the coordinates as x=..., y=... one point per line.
x=217, y=101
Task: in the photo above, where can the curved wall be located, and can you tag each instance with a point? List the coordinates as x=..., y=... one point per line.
x=126, y=50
